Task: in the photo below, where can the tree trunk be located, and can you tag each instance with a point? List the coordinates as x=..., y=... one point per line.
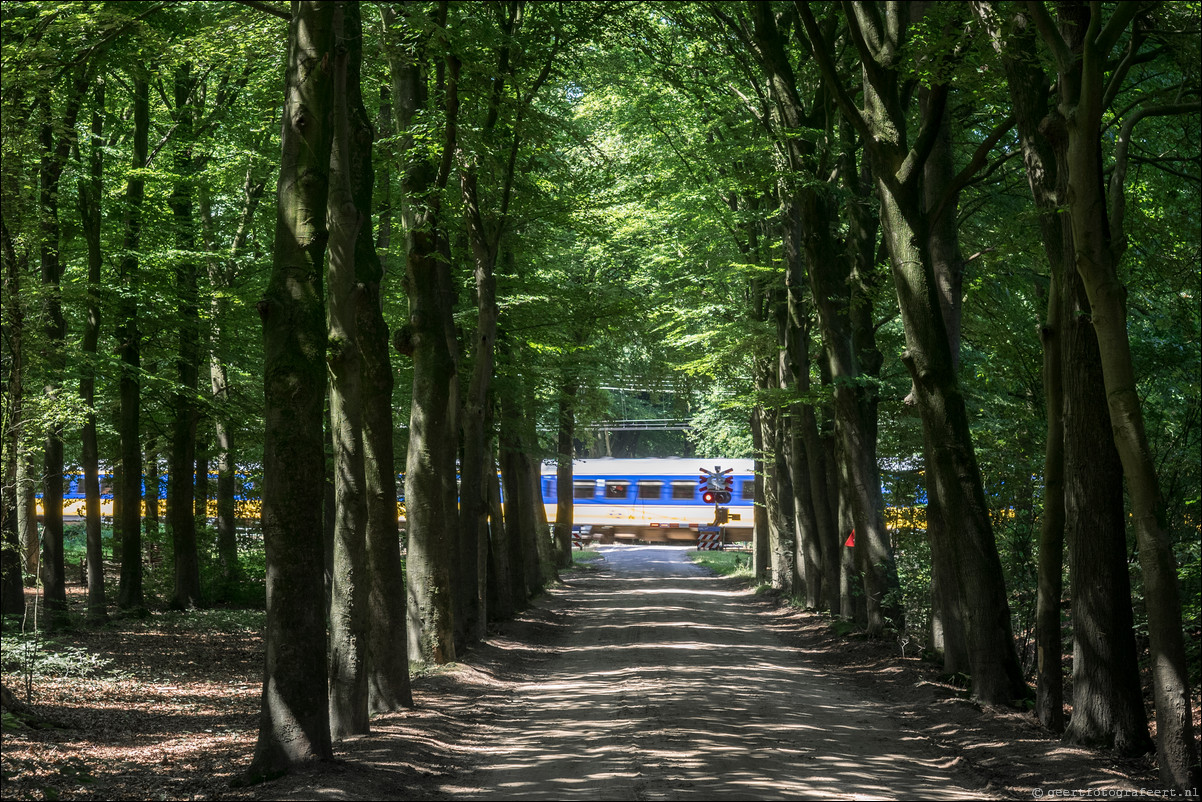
x=430, y=487
x=129, y=591
x=12, y=587
x=979, y=590
x=202, y=489
x=1108, y=705
x=430, y=490
x=53, y=159
x=222, y=280
x=520, y=561
x=953, y=471
x=347, y=219
x=27, y=502
x=388, y=685
x=500, y=574
x=760, y=524
x=1043, y=159
x=473, y=504
x=809, y=221
x=294, y=722
x=1049, y=676
x=778, y=491
x=89, y=211
x=152, y=495
x=565, y=452
x=855, y=428
x=1082, y=50
x=181, y=488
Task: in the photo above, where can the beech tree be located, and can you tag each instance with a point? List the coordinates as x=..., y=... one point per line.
x=295, y=723
x=1081, y=47
x=604, y=207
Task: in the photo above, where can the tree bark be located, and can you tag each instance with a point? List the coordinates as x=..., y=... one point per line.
x=430, y=486
x=53, y=159
x=473, y=504
x=953, y=472
x=1108, y=705
x=808, y=243
x=89, y=211
x=1081, y=57
x=522, y=564
x=500, y=575
x=387, y=646
x=346, y=218
x=760, y=523
x=27, y=509
x=129, y=591
x=565, y=453
x=152, y=496
x=181, y=488
x=12, y=587
x=1043, y=158
x=294, y=724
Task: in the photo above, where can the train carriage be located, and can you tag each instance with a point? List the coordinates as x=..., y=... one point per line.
x=652, y=500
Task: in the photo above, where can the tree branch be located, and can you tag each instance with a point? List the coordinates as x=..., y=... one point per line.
x=821, y=50
x=1118, y=178
x=1119, y=74
x=1122, y=16
x=974, y=164
x=267, y=8
x=925, y=141
x=1051, y=35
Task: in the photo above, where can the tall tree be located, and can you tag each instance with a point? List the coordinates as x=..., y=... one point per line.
x=811, y=249
x=90, y=192
x=1083, y=475
x=12, y=592
x=181, y=488
x=1086, y=84
x=486, y=228
x=294, y=724
x=879, y=34
x=129, y=591
x=387, y=648
x=346, y=218
x=430, y=488
x=57, y=137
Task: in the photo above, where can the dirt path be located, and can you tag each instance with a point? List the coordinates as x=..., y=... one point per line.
x=649, y=679
x=669, y=686
x=641, y=679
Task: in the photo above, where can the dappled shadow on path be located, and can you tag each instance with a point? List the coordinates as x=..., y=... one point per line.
x=652, y=680
x=669, y=686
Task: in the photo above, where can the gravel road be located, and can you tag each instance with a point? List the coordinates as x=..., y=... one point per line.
x=667, y=685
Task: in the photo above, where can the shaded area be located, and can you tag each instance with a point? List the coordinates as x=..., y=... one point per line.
x=669, y=686
x=645, y=680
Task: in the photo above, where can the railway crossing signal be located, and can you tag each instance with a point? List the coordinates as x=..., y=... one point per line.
x=716, y=485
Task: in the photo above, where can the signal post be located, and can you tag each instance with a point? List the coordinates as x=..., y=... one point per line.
x=716, y=488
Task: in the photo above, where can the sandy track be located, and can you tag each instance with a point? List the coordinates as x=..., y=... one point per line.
x=668, y=685
x=650, y=679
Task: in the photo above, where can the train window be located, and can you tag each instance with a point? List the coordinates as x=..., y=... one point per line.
x=106, y=486
x=650, y=490
x=747, y=490
x=684, y=490
x=616, y=489
x=582, y=489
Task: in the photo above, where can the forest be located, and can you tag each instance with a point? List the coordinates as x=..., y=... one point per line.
x=269, y=269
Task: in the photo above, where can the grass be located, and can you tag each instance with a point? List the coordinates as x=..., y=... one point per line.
x=726, y=563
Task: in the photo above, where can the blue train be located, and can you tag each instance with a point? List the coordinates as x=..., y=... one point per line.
x=653, y=500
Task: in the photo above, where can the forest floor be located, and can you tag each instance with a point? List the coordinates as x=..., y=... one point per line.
x=642, y=678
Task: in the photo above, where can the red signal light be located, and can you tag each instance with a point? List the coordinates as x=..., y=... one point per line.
x=709, y=497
